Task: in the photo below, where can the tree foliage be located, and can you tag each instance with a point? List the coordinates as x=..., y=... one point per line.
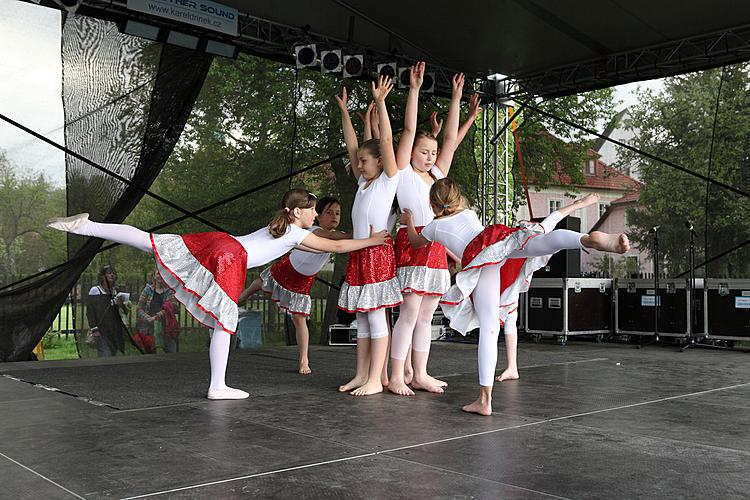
x=677, y=124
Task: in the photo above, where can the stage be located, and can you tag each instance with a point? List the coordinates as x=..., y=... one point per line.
x=585, y=421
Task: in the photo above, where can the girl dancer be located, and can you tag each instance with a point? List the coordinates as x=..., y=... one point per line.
x=289, y=280
x=423, y=273
x=207, y=270
x=497, y=264
x=371, y=284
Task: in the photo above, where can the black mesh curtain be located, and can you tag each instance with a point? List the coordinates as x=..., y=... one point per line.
x=126, y=102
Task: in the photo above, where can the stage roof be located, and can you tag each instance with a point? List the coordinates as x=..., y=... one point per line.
x=548, y=47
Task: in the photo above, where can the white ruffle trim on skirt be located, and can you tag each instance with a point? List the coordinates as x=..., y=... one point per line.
x=194, y=285
x=371, y=296
x=423, y=280
x=292, y=302
x=457, y=306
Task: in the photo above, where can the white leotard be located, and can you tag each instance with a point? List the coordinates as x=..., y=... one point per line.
x=308, y=263
x=414, y=193
x=454, y=231
x=262, y=247
x=373, y=205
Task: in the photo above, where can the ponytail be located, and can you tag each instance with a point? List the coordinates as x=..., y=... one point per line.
x=445, y=197
x=294, y=198
x=280, y=222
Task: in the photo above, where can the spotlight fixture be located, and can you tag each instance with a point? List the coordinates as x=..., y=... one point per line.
x=330, y=61
x=182, y=40
x=141, y=30
x=428, y=84
x=404, y=76
x=305, y=55
x=387, y=69
x=221, y=49
x=353, y=65
x=69, y=5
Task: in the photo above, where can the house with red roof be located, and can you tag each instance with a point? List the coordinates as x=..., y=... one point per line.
x=617, y=193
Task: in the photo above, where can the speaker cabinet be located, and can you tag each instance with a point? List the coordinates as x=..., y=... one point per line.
x=566, y=263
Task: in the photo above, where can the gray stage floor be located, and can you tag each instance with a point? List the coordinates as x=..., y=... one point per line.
x=585, y=421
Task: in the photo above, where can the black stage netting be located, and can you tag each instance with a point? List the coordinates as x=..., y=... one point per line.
x=233, y=144
x=125, y=104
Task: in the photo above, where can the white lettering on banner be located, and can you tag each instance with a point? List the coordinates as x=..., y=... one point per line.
x=203, y=13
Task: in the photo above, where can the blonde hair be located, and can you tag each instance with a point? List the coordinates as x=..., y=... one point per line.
x=445, y=197
x=294, y=198
x=421, y=134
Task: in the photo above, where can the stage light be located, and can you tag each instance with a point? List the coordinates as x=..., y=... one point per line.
x=141, y=30
x=353, y=65
x=69, y=5
x=404, y=76
x=428, y=84
x=182, y=40
x=221, y=49
x=330, y=61
x=387, y=69
x=305, y=55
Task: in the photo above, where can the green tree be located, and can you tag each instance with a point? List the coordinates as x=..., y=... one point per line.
x=677, y=124
x=26, y=202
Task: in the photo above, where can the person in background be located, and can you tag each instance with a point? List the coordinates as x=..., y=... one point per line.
x=157, y=320
x=103, y=312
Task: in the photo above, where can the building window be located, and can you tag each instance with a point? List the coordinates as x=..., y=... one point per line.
x=554, y=205
x=602, y=209
x=590, y=168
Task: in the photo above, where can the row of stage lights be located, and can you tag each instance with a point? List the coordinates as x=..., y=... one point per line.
x=350, y=66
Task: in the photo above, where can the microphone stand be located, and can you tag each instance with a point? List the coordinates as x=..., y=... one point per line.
x=655, y=336
x=691, y=338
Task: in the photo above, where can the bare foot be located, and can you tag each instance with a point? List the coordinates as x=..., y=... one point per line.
x=615, y=243
x=384, y=380
x=304, y=368
x=400, y=388
x=368, y=389
x=408, y=375
x=508, y=374
x=353, y=383
x=429, y=384
x=479, y=408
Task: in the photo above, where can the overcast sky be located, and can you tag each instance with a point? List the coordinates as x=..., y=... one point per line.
x=30, y=87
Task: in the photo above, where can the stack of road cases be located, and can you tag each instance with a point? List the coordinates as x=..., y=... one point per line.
x=727, y=311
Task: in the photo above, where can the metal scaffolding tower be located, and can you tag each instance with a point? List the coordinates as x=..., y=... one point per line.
x=495, y=189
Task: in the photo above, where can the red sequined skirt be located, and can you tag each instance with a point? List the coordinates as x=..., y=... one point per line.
x=288, y=287
x=371, y=281
x=424, y=270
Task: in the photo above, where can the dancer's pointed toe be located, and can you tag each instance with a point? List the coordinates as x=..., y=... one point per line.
x=68, y=224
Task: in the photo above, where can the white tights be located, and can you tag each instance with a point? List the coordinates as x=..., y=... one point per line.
x=413, y=325
x=218, y=352
x=119, y=233
x=552, y=241
x=372, y=325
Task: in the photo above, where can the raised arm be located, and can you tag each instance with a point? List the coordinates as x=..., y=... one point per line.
x=403, y=154
x=350, y=136
x=387, y=155
x=315, y=243
x=474, y=109
x=450, y=136
x=374, y=123
x=437, y=125
x=366, y=118
x=583, y=202
x=415, y=239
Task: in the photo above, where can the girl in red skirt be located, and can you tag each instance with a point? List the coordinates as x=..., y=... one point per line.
x=371, y=284
x=422, y=272
x=497, y=264
x=207, y=270
x=289, y=280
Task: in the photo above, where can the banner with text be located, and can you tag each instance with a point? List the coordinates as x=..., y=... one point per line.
x=203, y=13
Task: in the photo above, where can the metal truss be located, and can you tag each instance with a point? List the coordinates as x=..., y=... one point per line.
x=696, y=53
x=494, y=190
x=265, y=38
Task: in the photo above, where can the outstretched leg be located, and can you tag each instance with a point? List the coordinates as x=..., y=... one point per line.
x=119, y=233
x=303, y=340
x=218, y=355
